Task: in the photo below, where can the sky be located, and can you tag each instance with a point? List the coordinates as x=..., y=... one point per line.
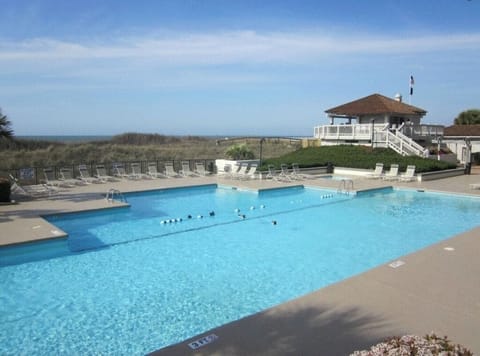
x=233, y=68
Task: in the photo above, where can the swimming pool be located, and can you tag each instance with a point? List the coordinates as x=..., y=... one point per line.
x=124, y=283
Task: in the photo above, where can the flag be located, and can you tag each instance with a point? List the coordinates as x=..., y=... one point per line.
x=411, y=84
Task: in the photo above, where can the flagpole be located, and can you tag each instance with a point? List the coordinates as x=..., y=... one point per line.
x=411, y=90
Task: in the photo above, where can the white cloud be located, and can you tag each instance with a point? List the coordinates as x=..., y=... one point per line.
x=231, y=47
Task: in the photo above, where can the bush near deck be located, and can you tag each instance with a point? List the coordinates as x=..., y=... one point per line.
x=355, y=157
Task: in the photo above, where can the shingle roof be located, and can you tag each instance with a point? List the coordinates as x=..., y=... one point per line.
x=375, y=104
x=462, y=130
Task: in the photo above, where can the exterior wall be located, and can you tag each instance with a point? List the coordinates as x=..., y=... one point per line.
x=459, y=147
x=379, y=119
x=385, y=119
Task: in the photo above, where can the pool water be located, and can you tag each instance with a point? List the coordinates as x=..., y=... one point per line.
x=126, y=283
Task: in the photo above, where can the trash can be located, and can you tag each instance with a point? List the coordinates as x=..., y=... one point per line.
x=329, y=167
x=468, y=168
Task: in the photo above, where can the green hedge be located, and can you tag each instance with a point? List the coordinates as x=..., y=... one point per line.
x=355, y=157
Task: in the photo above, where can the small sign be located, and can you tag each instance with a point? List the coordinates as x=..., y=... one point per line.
x=396, y=264
x=27, y=173
x=202, y=341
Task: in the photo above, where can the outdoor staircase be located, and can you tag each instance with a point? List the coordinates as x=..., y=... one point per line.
x=401, y=143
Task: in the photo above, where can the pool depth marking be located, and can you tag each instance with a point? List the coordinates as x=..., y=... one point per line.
x=203, y=341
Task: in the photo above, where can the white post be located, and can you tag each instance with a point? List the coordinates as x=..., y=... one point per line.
x=438, y=148
x=373, y=131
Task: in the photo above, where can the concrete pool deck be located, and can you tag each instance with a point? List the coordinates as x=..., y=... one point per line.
x=434, y=290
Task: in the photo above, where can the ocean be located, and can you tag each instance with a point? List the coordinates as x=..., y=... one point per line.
x=66, y=139
x=92, y=138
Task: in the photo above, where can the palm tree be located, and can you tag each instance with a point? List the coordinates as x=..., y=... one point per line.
x=237, y=152
x=5, y=130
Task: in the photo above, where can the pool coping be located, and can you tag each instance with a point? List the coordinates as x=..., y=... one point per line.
x=365, y=309
x=327, y=321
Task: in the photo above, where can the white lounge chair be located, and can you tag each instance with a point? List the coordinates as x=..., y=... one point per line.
x=295, y=172
x=102, y=174
x=51, y=181
x=272, y=174
x=242, y=171
x=409, y=174
x=185, y=171
x=298, y=175
x=252, y=172
x=31, y=191
x=233, y=171
x=284, y=173
x=200, y=169
x=85, y=175
x=392, y=174
x=120, y=171
x=137, y=171
x=377, y=173
x=170, y=170
x=66, y=176
x=153, y=171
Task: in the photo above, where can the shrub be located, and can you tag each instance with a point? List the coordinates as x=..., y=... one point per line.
x=241, y=151
x=415, y=345
x=355, y=157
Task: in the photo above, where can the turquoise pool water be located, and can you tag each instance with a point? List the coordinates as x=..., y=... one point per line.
x=125, y=283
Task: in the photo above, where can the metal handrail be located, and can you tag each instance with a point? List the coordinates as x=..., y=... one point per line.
x=347, y=185
x=112, y=192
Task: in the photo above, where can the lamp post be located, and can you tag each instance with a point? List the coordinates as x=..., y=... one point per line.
x=468, y=156
x=262, y=140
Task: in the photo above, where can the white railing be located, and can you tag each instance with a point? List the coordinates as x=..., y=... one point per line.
x=364, y=131
x=346, y=132
x=421, y=131
x=380, y=136
x=401, y=143
x=412, y=146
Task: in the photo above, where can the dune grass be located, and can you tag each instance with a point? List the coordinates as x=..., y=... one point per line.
x=131, y=147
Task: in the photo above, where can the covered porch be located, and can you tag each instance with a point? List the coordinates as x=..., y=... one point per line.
x=365, y=132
